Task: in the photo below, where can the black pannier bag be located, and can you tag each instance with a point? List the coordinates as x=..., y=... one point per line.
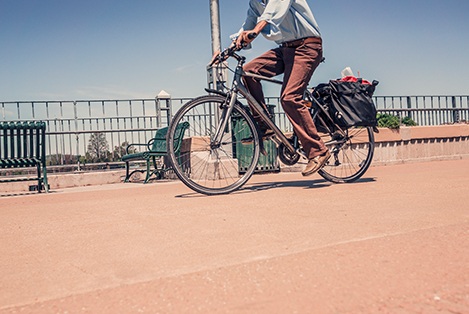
x=322, y=93
x=348, y=102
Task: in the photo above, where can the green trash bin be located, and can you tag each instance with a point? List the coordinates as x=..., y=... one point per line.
x=243, y=152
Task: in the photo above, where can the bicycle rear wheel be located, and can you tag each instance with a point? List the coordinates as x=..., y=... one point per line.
x=205, y=166
x=351, y=154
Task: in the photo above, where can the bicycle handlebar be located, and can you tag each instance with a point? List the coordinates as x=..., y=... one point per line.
x=225, y=54
x=230, y=51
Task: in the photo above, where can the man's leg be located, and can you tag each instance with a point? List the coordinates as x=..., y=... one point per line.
x=268, y=64
x=300, y=64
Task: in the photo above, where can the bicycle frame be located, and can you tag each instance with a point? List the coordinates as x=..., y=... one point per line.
x=238, y=87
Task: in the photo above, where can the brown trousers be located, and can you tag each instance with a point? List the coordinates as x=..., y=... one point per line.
x=297, y=63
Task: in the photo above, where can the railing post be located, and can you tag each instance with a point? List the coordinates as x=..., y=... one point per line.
x=409, y=106
x=163, y=96
x=77, y=137
x=455, y=112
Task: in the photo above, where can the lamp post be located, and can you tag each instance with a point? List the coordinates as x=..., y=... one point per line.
x=215, y=25
x=216, y=75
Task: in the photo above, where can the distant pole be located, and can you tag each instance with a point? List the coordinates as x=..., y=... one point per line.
x=216, y=75
x=215, y=25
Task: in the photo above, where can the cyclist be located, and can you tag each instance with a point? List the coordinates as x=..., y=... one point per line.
x=291, y=24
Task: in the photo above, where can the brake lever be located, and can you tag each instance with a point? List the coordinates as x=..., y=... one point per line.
x=215, y=59
x=222, y=56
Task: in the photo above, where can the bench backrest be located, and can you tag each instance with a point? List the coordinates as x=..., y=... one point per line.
x=159, y=141
x=23, y=142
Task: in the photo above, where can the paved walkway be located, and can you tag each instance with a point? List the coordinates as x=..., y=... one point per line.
x=395, y=242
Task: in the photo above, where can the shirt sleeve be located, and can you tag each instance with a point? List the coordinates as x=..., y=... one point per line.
x=275, y=11
x=252, y=17
x=249, y=23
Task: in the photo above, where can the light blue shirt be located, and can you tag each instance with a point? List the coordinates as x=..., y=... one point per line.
x=288, y=19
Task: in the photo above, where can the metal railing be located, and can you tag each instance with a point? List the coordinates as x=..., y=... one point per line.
x=71, y=123
x=426, y=110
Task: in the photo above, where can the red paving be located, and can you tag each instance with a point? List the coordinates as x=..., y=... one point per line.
x=395, y=242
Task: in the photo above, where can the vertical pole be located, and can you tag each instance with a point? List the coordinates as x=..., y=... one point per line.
x=455, y=112
x=216, y=75
x=163, y=96
x=409, y=106
x=77, y=138
x=215, y=25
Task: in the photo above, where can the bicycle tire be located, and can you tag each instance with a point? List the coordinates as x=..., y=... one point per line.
x=351, y=155
x=214, y=169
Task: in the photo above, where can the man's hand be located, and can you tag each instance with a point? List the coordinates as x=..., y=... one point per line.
x=246, y=37
x=215, y=57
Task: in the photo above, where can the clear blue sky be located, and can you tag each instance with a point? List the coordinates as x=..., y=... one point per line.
x=107, y=49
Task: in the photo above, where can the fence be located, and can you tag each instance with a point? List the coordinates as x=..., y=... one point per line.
x=426, y=110
x=71, y=123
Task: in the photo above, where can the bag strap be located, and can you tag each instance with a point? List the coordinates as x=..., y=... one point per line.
x=358, y=87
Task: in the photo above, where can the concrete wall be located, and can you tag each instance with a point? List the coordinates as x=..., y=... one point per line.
x=68, y=180
x=417, y=144
x=408, y=144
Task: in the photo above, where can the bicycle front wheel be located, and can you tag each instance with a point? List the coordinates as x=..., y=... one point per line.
x=208, y=166
x=352, y=154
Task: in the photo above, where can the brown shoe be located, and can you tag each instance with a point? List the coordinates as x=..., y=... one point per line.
x=316, y=163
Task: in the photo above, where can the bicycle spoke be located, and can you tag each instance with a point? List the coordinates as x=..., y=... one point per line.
x=208, y=166
x=351, y=155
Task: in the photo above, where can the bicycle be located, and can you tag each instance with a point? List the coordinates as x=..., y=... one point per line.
x=215, y=158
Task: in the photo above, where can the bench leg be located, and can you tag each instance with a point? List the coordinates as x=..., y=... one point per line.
x=147, y=178
x=159, y=173
x=127, y=172
x=44, y=178
x=39, y=180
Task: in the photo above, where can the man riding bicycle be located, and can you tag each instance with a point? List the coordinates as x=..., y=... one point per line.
x=291, y=24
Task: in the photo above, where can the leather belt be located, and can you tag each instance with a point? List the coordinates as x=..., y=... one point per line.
x=298, y=42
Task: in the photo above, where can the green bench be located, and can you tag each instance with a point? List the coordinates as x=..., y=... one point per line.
x=23, y=145
x=155, y=149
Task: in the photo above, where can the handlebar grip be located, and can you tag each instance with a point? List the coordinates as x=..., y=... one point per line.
x=252, y=35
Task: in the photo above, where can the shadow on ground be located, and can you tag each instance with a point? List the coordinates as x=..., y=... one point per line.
x=262, y=186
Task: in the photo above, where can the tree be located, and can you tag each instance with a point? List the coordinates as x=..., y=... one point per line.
x=61, y=159
x=121, y=150
x=98, y=148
